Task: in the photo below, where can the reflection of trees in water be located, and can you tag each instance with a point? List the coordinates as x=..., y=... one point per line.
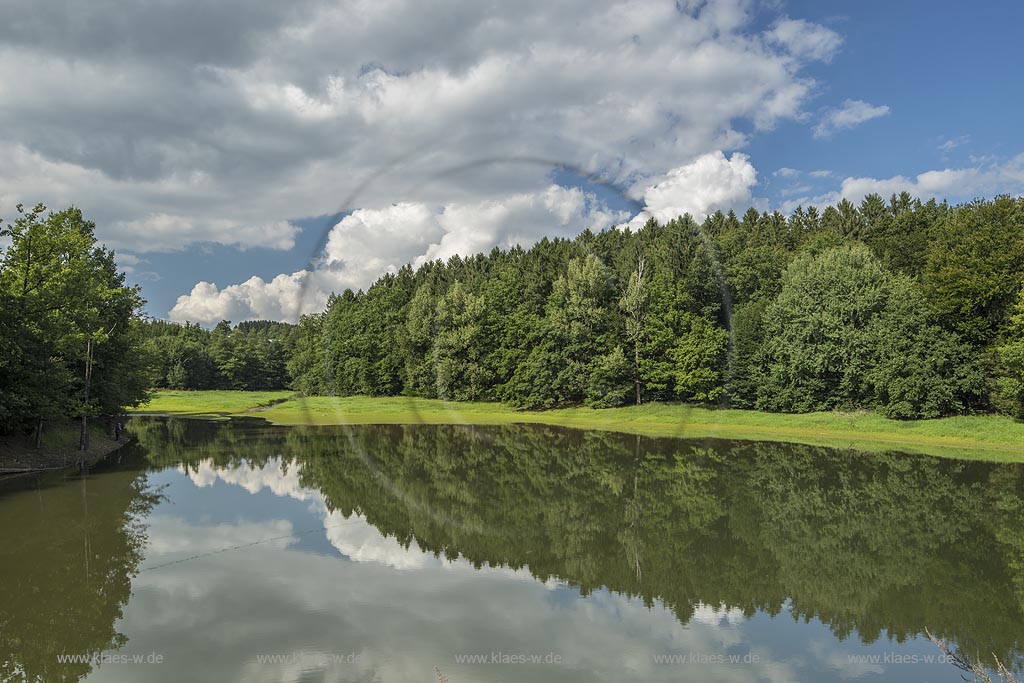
x=880, y=544
x=67, y=558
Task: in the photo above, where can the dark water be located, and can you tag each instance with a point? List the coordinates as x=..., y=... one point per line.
x=244, y=552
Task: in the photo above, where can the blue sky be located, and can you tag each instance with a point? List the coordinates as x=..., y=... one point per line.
x=202, y=138
x=949, y=72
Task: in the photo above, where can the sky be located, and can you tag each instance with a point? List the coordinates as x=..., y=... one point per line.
x=246, y=158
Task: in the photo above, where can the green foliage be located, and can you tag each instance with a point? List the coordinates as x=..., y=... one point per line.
x=901, y=306
x=306, y=364
x=747, y=337
x=890, y=305
x=253, y=356
x=576, y=332
x=634, y=303
x=975, y=266
x=920, y=370
x=611, y=380
x=815, y=351
x=362, y=339
x=844, y=332
x=698, y=361
x=417, y=341
x=1010, y=356
x=679, y=339
x=69, y=337
x=459, y=345
x=899, y=232
x=754, y=251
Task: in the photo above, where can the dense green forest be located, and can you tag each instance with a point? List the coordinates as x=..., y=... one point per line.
x=914, y=309
x=70, y=337
x=252, y=356
x=911, y=308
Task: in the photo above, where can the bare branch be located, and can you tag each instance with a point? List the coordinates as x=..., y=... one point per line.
x=973, y=666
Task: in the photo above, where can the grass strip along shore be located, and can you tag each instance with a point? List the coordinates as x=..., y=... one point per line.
x=977, y=437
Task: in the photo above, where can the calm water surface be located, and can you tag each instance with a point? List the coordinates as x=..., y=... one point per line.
x=244, y=552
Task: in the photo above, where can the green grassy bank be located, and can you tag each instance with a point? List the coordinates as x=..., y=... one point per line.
x=213, y=403
x=985, y=437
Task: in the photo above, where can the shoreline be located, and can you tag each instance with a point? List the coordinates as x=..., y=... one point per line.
x=976, y=437
x=18, y=457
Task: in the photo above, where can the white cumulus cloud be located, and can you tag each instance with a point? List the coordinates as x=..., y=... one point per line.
x=955, y=184
x=708, y=184
x=371, y=242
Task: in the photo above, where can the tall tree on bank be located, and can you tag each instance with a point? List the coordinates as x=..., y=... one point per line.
x=577, y=334
x=459, y=346
x=634, y=304
x=306, y=364
x=69, y=322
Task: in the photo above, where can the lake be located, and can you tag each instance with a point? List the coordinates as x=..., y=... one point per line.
x=241, y=551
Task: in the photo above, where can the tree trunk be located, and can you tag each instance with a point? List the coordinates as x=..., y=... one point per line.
x=39, y=432
x=83, y=439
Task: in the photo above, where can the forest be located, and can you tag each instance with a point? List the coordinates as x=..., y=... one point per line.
x=913, y=309
x=252, y=356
